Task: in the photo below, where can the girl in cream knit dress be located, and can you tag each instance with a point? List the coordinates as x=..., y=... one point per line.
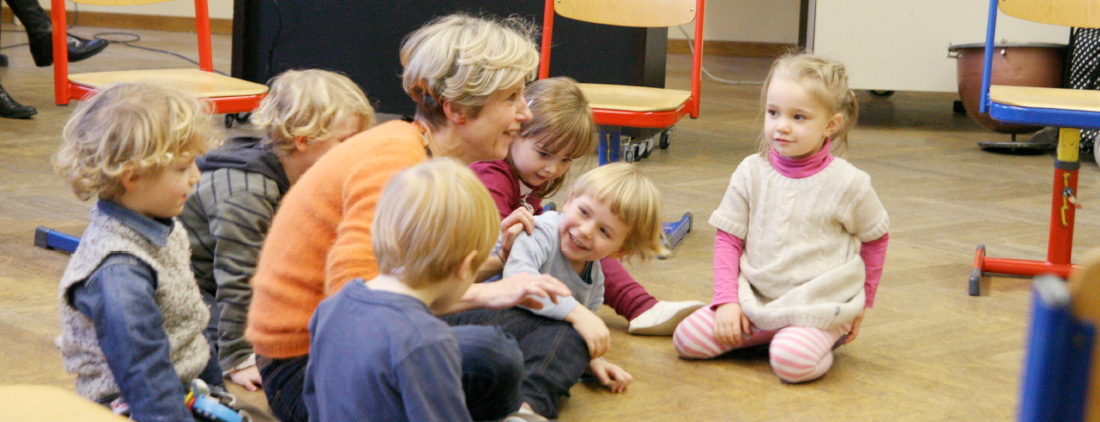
x=801, y=233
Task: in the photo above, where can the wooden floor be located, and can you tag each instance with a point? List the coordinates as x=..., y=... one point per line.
x=928, y=351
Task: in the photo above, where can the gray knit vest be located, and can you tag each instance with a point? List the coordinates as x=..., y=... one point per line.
x=185, y=315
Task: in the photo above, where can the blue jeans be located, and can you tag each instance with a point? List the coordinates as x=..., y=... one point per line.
x=492, y=368
x=554, y=354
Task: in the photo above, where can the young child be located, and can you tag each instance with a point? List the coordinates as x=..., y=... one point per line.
x=611, y=211
x=561, y=131
x=132, y=317
x=434, y=227
x=801, y=233
x=305, y=114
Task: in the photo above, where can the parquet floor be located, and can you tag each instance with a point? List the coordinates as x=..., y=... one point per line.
x=928, y=351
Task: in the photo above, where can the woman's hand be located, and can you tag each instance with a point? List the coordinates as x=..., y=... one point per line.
x=592, y=329
x=610, y=375
x=519, y=289
x=521, y=220
x=731, y=326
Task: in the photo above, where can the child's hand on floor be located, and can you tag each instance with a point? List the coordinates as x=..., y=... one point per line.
x=855, y=326
x=249, y=378
x=592, y=329
x=731, y=326
x=610, y=375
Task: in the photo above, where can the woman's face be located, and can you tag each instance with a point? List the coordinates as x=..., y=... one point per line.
x=489, y=135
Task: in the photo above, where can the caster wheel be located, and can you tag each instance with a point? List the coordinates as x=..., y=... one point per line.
x=881, y=94
x=629, y=155
x=664, y=142
x=232, y=118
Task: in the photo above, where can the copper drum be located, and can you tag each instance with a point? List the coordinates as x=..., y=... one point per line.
x=1028, y=64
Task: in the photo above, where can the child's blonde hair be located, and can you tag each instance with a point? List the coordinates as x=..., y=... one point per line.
x=309, y=104
x=827, y=81
x=464, y=59
x=130, y=126
x=562, y=121
x=633, y=198
x=430, y=216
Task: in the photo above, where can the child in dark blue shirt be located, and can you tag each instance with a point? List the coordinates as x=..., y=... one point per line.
x=377, y=352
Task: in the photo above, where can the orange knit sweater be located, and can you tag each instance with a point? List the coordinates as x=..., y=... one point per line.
x=321, y=235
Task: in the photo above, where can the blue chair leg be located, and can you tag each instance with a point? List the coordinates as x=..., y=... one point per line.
x=47, y=238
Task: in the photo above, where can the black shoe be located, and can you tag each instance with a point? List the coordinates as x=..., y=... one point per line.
x=3, y=60
x=13, y=110
x=80, y=48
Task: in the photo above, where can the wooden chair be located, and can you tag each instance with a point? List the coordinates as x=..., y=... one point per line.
x=1061, y=373
x=617, y=106
x=1068, y=109
x=225, y=94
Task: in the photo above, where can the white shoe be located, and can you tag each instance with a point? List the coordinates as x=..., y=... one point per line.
x=662, y=318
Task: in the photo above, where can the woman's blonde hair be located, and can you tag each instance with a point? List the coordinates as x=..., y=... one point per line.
x=464, y=59
x=562, y=121
x=130, y=126
x=827, y=81
x=310, y=104
x=430, y=216
x=633, y=198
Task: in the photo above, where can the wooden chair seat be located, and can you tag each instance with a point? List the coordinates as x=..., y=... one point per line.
x=634, y=98
x=193, y=81
x=1053, y=98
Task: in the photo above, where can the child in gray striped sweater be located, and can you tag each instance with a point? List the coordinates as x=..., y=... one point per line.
x=306, y=113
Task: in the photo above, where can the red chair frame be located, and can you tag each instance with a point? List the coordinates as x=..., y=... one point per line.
x=658, y=119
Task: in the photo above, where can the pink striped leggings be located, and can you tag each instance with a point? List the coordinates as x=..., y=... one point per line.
x=797, y=354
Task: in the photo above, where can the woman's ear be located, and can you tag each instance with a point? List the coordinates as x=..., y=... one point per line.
x=454, y=114
x=301, y=144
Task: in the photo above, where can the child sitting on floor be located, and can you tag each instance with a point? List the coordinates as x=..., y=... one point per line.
x=377, y=352
x=611, y=211
x=306, y=113
x=132, y=317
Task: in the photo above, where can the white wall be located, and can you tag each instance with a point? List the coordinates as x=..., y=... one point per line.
x=770, y=21
x=903, y=45
x=219, y=9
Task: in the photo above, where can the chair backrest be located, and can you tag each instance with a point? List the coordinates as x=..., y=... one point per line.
x=1075, y=13
x=643, y=13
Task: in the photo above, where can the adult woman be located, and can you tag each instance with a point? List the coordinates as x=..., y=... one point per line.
x=466, y=75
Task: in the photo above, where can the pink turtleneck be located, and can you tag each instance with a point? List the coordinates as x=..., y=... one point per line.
x=728, y=248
